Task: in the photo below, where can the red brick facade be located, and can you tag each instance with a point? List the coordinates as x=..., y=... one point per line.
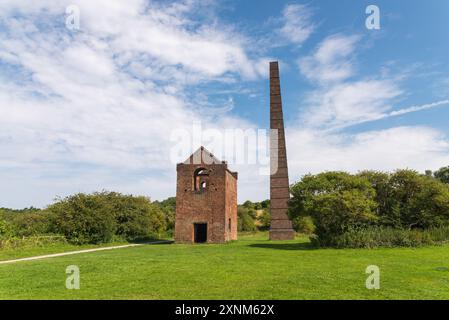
x=206, y=194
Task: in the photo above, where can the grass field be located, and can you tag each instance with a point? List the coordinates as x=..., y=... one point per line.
x=30, y=251
x=251, y=268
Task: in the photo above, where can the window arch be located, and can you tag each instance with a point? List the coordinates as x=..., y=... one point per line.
x=200, y=179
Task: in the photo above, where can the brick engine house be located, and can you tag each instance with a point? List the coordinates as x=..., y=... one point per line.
x=206, y=200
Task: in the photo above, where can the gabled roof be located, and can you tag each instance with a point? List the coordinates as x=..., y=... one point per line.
x=202, y=156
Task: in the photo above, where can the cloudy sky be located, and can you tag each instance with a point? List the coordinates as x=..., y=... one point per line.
x=96, y=107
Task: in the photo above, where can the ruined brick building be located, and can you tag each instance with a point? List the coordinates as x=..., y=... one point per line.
x=206, y=200
x=206, y=192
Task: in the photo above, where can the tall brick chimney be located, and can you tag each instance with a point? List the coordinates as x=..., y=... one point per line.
x=281, y=227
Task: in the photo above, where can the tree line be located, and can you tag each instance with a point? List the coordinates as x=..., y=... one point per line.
x=103, y=217
x=339, y=209
x=371, y=208
x=99, y=217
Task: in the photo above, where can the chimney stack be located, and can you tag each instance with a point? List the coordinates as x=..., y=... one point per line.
x=281, y=226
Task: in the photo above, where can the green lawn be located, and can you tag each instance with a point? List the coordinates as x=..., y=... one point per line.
x=251, y=268
x=30, y=251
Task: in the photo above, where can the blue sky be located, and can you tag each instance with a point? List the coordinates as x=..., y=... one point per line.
x=96, y=108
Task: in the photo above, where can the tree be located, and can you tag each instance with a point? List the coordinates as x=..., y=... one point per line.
x=168, y=207
x=442, y=174
x=386, y=205
x=264, y=219
x=245, y=219
x=304, y=225
x=83, y=218
x=136, y=217
x=248, y=204
x=335, y=201
x=420, y=201
x=30, y=223
x=265, y=204
x=98, y=217
x=5, y=229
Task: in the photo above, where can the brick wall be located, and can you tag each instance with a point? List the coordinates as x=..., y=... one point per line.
x=215, y=205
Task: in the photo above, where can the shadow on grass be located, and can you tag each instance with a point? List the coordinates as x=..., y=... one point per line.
x=284, y=246
x=148, y=240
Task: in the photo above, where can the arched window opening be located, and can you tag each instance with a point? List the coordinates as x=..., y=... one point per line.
x=200, y=178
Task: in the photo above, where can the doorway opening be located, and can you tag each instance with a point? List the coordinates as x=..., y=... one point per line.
x=200, y=232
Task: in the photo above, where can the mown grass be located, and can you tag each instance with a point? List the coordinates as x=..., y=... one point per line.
x=50, y=248
x=251, y=268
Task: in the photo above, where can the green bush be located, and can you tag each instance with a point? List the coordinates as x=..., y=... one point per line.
x=264, y=219
x=136, y=217
x=335, y=201
x=246, y=219
x=407, y=199
x=98, y=217
x=409, y=209
x=374, y=237
x=422, y=201
x=304, y=225
x=5, y=230
x=26, y=224
x=168, y=207
x=385, y=210
x=33, y=241
x=84, y=218
x=442, y=174
x=254, y=216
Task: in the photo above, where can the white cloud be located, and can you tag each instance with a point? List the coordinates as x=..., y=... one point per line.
x=95, y=108
x=331, y=61
x=418, y=108
x=297, y=23
x=315, y=151
x=348, y=103
x=339, y=100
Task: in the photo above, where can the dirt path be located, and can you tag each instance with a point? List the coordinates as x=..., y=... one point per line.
x=80, y=251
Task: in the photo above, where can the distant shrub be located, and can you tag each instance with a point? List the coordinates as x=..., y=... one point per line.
x=254, y=216
x=246, y=219
x=28, y=224
x=374, y=237
x=168, y=207
x=136, y=217
x=264, y=219
x=5, y=229
x=442, y=174
x=33, y=241
x=84, y=218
